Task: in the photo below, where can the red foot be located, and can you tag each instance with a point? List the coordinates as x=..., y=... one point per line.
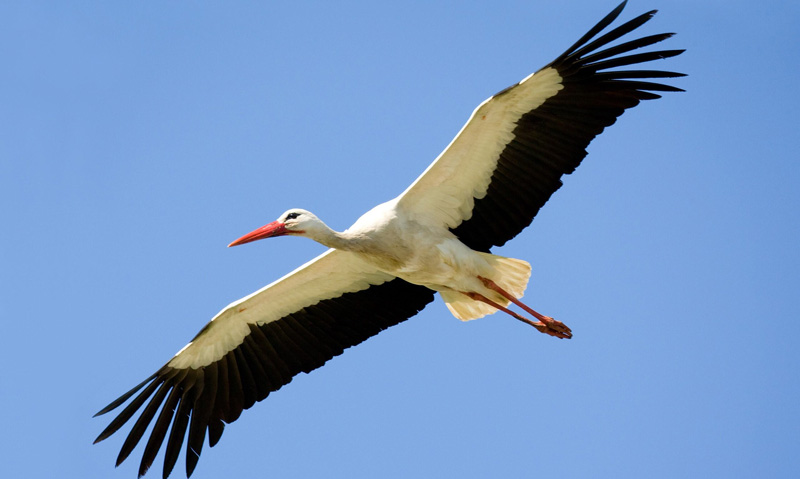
x=545, y=325
x=553, y=327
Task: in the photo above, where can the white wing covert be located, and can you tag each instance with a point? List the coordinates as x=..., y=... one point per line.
x=508, y=159
x=255, y=346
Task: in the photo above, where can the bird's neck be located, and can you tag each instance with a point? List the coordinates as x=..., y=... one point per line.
x=333, y=239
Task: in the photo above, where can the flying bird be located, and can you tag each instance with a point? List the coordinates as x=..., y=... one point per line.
x=481, y=191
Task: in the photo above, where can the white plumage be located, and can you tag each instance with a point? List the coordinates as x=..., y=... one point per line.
x=482, y=190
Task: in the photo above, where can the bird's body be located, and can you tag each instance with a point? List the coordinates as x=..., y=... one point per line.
x=393, y=242
x=435, y=237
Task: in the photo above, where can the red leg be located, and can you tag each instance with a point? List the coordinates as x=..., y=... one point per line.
x=539, y=325
x=551, y=323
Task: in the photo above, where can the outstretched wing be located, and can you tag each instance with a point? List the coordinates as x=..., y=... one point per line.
x=256, y=345
x=508, y=159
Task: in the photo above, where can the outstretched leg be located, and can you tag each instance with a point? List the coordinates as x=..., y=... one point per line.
x=552, y=324
x=541, y=326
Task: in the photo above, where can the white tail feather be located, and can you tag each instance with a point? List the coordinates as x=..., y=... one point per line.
x=509, y=273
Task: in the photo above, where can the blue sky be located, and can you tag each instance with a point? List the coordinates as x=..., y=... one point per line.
x=137, y=140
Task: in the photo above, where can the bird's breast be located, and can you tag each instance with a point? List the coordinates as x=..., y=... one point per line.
x=420, y=254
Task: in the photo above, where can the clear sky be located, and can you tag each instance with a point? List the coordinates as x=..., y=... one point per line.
x=138, y=139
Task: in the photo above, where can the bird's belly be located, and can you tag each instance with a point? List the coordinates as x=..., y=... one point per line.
x=449, y=265
x=422, y=255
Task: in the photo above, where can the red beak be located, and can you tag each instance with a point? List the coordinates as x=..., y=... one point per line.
x=276, y=228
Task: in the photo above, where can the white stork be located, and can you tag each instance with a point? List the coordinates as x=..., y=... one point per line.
x=483, y=189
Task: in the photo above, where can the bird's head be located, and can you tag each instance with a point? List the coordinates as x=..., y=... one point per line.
x=293, y=222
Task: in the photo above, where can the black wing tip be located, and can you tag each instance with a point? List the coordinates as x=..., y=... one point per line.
x=592, y=41
x=617, y=10
x=670, y=53
x=142, y=472
x=121, y=400
x=114, y=404
x=644, y=18
x=195, y=409
x=595, y=52
x=192, y=457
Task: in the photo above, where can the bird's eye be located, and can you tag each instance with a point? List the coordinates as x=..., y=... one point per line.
x=292, y=216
